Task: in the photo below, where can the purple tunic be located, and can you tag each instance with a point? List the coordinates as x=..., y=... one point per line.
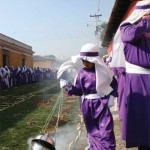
x=119, y=72
x=97, y=116
x=136, y=122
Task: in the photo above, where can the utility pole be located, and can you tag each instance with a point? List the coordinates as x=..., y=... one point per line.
x=96, y=16
x=97, y=27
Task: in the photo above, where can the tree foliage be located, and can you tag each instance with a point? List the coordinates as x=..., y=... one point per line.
x=100, y=30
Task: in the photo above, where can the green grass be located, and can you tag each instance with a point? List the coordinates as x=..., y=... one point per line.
x=25, y=119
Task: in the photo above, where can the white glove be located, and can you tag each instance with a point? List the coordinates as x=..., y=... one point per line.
x=111, y=101
x=65, y=85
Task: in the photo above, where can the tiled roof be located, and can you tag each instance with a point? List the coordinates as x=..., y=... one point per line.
x=117, y=14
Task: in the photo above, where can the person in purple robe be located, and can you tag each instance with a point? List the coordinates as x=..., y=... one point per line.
x=119, y=73
x=97, y=89
x=133, y=46
x=1, y=78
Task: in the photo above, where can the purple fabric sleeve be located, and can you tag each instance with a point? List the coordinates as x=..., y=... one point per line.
x=148, y=24
x=133, y=32
x=76, y=90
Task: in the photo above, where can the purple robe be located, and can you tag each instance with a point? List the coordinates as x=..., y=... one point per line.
x=119, y=72
x=136, y=122
x=97, y=116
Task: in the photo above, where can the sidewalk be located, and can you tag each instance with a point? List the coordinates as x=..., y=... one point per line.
x=120, y=145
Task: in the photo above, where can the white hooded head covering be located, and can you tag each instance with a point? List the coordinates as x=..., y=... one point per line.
x=90, y=52
x=118, y=58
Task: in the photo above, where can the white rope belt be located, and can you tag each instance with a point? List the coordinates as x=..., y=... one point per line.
x=91, y=96
x=131, y=68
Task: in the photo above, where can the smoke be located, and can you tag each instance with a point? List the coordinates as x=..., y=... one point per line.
x=68, y=75
x=65, y=138
x=29, y=141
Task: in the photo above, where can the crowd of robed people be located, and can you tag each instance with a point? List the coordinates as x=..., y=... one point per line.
x=17, y=76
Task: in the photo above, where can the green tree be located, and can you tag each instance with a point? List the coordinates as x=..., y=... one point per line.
x=100, y=29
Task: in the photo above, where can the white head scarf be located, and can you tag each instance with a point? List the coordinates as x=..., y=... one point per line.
x=104, y=75
x=118, y=58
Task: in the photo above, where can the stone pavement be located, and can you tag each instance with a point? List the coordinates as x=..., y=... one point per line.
x=120, y=145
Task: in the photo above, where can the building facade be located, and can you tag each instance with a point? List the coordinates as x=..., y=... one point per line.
x=15, y=53
x=46, y=62
x=121, y=10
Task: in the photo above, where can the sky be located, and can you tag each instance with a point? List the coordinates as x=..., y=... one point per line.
x=53, y=27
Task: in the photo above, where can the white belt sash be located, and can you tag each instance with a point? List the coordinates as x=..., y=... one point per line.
x=90, y=96
x=131, y=68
